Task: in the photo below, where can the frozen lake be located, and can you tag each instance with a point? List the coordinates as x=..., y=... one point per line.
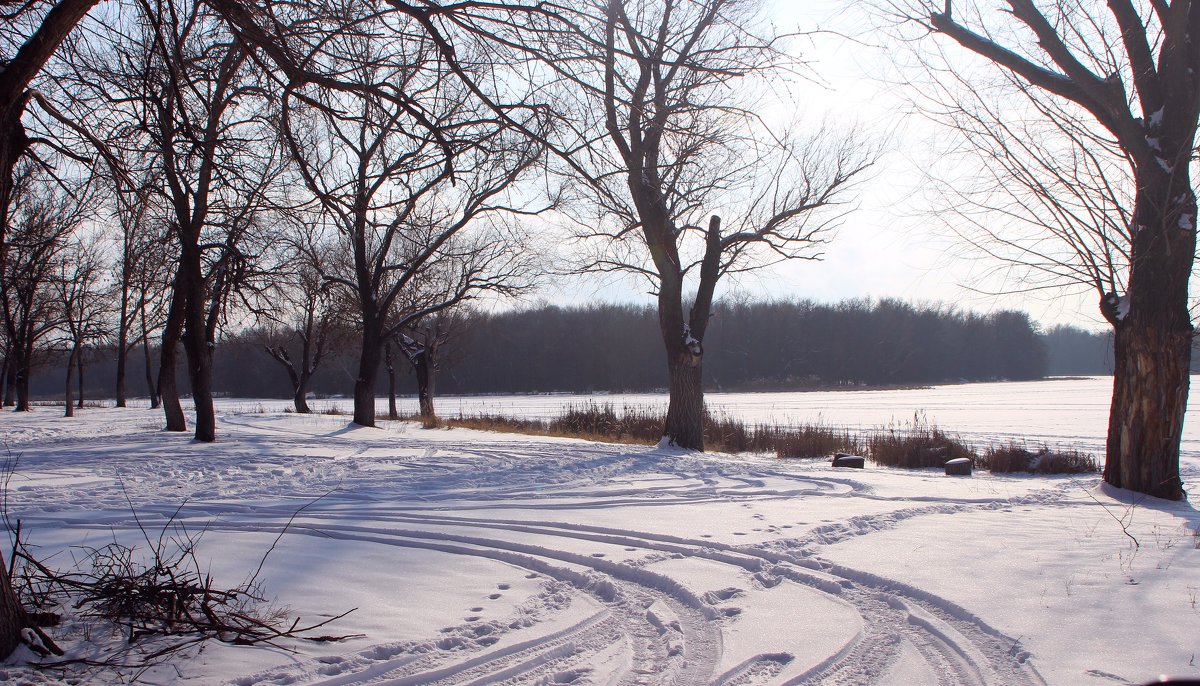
x=1060, y=412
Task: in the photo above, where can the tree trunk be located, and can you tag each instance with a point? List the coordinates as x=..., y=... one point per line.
x=196, y=343
x=168, y=389
x=122, y=358
x=10, y=382
x=685, y=413
x=393, y=414
x=80, y=364
x=151, y=386
x=300, y=398
x=24, y=370
x=1153, y=344
x=12, y=616
x=70, y=401
x=421, y=369
x=368, y=367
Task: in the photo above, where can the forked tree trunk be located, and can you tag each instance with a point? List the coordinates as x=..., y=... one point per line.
x=1153, y=345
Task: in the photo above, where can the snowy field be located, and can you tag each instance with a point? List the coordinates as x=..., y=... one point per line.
x=476, y=558
x=1069, y=412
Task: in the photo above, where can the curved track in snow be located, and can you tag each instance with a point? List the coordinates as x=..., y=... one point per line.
x=619, y=598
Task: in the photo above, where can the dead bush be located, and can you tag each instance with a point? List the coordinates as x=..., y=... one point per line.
x=1013, y=457
x=816, y=441
x=916, y=447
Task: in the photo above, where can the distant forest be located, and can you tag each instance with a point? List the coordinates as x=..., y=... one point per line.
x=777, y=345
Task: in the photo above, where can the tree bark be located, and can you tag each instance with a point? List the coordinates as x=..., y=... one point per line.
x=12, y=616
x=368, y=368
x=685, y=413
x=24, y=370
x=424, y=373
x=151, y=386
x=1153, y=344
x=393, y=414
x=79, y=363
x=122, y=358
x=168, y=389
x=10, y=381
x=196, y=343
x=300, y=399
x=70, y=400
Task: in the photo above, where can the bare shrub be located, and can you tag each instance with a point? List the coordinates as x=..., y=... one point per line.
x=1007, y=459
x=152, y=601
x=816, y=441
x=916, y=447
x=1013, y=457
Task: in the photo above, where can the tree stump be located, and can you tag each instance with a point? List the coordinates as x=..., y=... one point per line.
x=959, y=466
x=852, y=461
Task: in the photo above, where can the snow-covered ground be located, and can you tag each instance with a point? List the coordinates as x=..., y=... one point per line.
x=478, y=558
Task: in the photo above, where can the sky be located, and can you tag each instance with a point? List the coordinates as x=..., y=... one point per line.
x=888, y=244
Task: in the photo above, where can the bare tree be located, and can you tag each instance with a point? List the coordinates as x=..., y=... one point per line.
x=44, y=214
x=85, y=301
x=196, y=107
x=1130, y=69
x=415, y=196
x=307, y=319
x=666, y=131
x=425, y=345
x=33, y=33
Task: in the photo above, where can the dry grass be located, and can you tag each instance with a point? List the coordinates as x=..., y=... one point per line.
x=916, y=447
x=816, y=441
x=1013, y=457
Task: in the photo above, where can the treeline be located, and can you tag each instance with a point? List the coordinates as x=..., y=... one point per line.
x=774, y=345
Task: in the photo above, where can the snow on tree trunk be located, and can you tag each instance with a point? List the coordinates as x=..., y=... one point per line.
x=685, y=413
x=1153, y=344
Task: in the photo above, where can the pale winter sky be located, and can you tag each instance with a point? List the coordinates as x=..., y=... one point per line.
x=888, y=246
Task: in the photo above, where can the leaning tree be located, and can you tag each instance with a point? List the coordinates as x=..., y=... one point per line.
x=666, y=122
x=1119, y=84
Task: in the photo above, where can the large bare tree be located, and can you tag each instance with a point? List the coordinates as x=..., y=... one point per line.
x=414, y=188
x=1130, y=71
x=667, y=127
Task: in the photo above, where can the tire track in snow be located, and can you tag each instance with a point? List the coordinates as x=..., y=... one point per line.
x=666, y=631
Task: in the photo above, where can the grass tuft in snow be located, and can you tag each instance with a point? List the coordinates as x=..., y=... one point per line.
x=917, y=446
x=1013, y=457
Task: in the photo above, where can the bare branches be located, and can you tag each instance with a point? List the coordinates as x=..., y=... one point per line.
x=157, y=599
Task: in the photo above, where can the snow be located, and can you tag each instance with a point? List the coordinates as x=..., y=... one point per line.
x=488, y=558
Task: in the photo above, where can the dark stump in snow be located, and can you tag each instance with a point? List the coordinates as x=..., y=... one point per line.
x=960, y=466
x=853, y=461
